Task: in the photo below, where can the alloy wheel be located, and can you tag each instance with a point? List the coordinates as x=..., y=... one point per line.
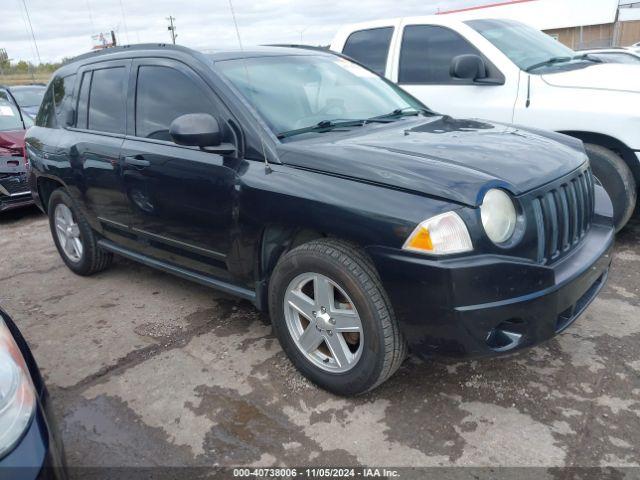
x=323, y=322
x=68, y=233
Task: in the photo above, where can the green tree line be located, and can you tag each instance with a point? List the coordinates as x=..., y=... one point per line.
x=23, y=67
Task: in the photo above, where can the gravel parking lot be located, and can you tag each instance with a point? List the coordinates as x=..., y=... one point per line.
x=146, y=369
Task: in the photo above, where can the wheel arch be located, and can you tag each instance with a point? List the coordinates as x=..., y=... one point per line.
x=46, y=186
x=627, y=154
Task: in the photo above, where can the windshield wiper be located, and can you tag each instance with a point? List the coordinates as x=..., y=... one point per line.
x=400, y=112
x=549, y=61
x=328, y=125
x=323, y=126
x=587, y=57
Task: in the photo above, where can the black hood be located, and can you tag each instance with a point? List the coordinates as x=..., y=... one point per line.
x=440, y=156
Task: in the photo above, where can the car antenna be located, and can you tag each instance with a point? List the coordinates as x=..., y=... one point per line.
x=246, y=71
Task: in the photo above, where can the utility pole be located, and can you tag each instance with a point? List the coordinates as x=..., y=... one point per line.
x=172, y=29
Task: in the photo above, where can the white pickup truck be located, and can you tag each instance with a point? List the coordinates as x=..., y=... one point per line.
x=506, y=71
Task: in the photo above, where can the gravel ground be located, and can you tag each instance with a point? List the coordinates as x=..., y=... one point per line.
x=145, y=369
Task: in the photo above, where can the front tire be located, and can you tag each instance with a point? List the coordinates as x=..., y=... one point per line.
x=333, y=318
x=617, y=179
x=74, y=238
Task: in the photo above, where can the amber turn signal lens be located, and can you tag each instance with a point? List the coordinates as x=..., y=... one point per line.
x=421, y=240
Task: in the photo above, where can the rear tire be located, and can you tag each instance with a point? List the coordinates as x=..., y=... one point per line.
x=86, y=258
x=378, y=350
x=617, y=179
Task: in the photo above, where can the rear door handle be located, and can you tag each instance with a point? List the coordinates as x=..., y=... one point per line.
x=137, y=161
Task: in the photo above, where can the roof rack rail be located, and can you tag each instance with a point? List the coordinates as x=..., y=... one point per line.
x=121, y=48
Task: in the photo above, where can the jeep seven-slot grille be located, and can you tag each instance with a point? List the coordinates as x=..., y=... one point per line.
x=563, y=216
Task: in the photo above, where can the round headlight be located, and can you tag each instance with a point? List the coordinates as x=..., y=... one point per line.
x=498, y=215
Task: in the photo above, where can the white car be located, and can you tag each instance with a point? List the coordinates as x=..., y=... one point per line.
x=506, y=71
x=614, y=55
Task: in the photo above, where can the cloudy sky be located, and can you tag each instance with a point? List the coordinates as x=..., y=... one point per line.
x=63, y=28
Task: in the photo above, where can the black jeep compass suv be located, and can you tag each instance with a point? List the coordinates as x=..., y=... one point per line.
x=364, y=222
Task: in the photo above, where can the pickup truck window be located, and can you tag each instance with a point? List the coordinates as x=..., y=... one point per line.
x=162, y=95
x=426, y=54
x=370, y=47
x=106, y=111
x=524, y=45
x=299, y=91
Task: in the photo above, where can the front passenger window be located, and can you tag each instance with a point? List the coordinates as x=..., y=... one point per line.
x=164, y=94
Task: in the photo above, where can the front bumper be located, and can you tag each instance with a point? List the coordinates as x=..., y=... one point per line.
x=485, y=304
x=14, y=191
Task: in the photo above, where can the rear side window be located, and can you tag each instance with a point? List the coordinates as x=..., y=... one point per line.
x=163, y=94
x=106, y=100
x=46, y=113
x=426, y=54
x=370, y=47
x=63, y=96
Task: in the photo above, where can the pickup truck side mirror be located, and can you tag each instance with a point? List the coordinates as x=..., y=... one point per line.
x=468, y=67
x=196, y=130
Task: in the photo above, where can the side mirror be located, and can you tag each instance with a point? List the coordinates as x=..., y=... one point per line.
x=196, y=130
x=468, y=67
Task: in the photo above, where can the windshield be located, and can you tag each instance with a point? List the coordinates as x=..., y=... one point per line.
x=9, y=115
x=28, y=96
x=299, y=91
x=524, y=45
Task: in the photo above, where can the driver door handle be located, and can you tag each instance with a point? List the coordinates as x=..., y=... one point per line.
x=137, y=161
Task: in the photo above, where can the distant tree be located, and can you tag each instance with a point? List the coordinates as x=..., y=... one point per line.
x=22, y=67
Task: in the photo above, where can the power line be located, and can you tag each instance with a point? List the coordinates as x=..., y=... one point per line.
x=26, y=28
x=124, y=21
x=93, y=27
x=35, y=44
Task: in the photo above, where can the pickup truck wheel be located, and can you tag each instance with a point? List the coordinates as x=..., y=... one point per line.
x=75, y=240
x=617, y=179
x=333, y=318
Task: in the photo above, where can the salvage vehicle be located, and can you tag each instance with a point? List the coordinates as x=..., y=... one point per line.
x=14, y=190
x=28, y=97
x=30, y=445
x=362, y=221
x=506, y=71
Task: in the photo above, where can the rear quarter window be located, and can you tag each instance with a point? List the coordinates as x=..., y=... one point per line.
x=46, y=114
x=370, y=47
x=63, y=96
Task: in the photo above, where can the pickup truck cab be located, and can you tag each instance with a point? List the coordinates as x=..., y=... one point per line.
x=505, y=71
x=298, y=180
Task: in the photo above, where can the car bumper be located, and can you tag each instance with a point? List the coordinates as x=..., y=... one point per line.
x=14, y=192
x=39, y=455
x=487, y=305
